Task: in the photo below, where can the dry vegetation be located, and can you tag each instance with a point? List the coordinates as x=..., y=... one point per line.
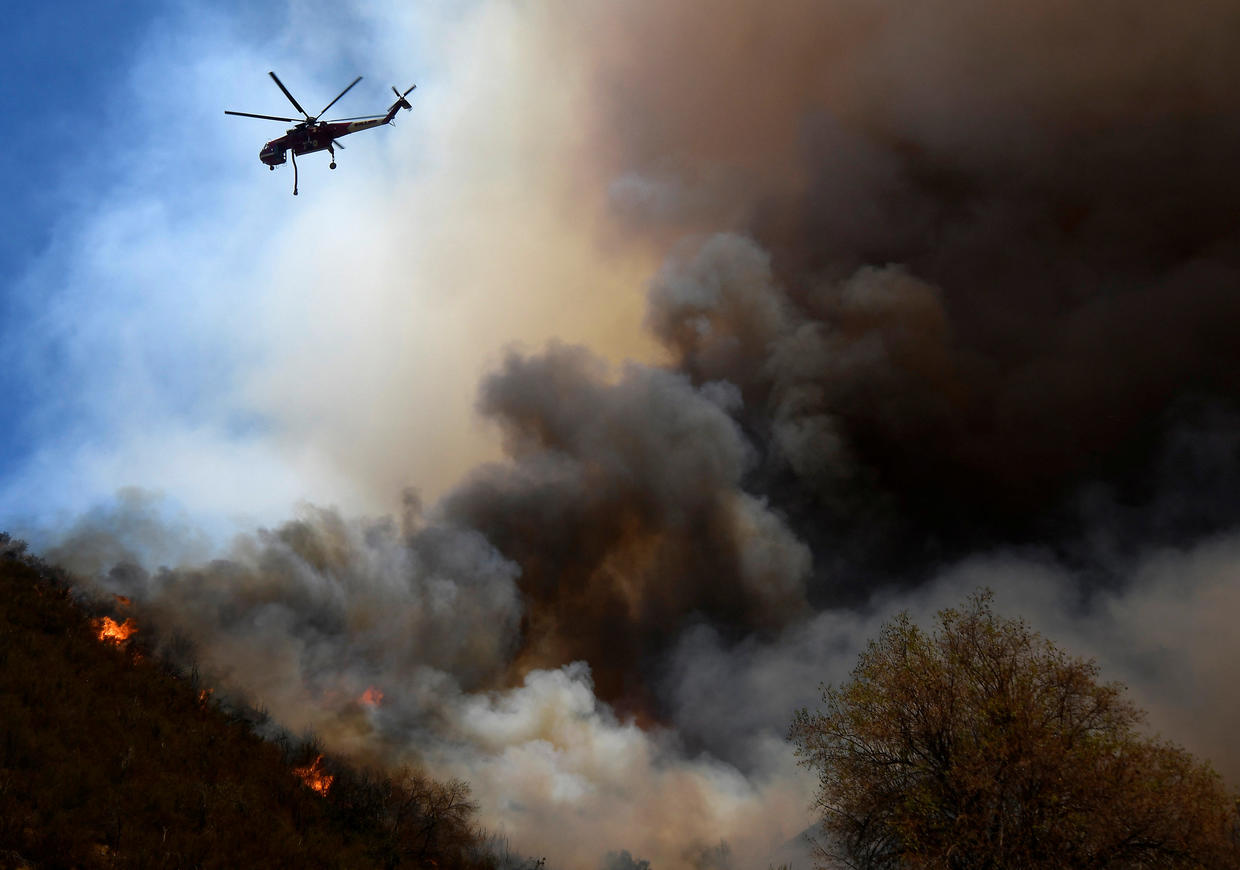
x=984, y=746
x=112, y=758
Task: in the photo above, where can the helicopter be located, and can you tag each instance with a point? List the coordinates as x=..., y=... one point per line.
x=312, y=135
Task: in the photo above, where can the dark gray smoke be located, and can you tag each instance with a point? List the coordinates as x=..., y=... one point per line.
x=621, y=503
x=303, y=619
x=986, y=260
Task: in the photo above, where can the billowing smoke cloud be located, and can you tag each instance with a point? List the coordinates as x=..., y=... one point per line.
x=622, y=505
x=946, y=300
x=990, y=256
x=397, y=645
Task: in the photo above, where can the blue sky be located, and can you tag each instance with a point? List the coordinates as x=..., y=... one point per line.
x=65, y=61
x=61, y=79
x=173, y=320
x=110, y=144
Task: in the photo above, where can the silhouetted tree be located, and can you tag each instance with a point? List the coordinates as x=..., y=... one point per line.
x=984, y=746
x=431, y=819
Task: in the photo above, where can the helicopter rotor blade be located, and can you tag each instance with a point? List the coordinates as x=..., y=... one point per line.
x=408, y=92
x=338, y=96
x=280, y=85
x=267, y=117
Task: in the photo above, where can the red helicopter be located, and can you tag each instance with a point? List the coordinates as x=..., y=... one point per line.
x=312, y=134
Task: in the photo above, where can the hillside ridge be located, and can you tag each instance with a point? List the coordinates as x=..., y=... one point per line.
x=114, y=757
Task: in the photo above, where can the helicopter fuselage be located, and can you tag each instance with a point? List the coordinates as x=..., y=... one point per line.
x=306, y=139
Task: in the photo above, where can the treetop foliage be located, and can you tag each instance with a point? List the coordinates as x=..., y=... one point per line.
x=983, y=745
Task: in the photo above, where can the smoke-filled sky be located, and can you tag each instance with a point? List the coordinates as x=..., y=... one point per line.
x=605, y=405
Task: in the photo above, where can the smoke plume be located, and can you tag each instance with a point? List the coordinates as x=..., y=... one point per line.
x=985, y=257
x=947, y=299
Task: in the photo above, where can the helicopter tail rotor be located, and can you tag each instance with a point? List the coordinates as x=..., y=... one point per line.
x=400, y=98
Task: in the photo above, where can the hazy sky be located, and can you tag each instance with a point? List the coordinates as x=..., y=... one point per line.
x=175, y=320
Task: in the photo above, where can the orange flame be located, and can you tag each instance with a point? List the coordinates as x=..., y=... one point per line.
x=314, y=777
x=372, y=697
x=112, y=632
